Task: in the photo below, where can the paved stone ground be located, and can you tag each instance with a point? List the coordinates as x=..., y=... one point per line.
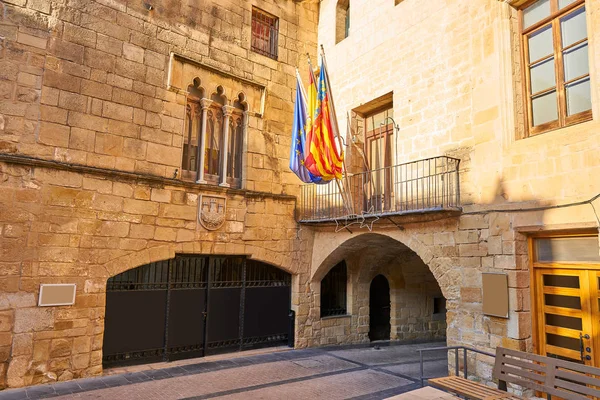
x=358, y=372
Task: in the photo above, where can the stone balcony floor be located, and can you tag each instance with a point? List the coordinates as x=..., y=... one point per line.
x=352, y=372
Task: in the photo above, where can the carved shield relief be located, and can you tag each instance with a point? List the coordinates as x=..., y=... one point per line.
x=211, y=211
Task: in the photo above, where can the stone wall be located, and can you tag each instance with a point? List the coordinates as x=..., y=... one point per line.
x=454, y=70
x=82, y=228
x=87, y=82
x=90, y=158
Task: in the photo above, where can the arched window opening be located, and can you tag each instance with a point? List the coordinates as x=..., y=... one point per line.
x=342, y=23
x=333, y=291
x=193, y=116
x=213, y=137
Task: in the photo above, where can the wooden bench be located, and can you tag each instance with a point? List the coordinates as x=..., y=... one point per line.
x=554, y=377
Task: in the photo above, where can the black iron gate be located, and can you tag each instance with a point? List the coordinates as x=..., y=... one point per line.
x=191, y=306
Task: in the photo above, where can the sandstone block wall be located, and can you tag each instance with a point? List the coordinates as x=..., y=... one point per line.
x=86, y=82
x=90, y=140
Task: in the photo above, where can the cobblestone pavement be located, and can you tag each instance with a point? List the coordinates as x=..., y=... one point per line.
x=357, y=372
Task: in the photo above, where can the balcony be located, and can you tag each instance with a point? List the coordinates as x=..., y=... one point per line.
x=429, y=185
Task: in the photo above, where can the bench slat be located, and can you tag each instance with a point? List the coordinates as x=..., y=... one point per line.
x=465, y=387
x=523, y=364
x=577, y=377
x=539, y=378
x=577, y=388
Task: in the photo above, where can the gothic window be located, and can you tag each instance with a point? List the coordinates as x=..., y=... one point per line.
x=234, y=167
x=557, y=70
x=213, y=138
x=189, y=161
x=265, y=32
x=333, y=291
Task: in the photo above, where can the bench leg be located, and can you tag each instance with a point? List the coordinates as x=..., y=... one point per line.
x=502, y=385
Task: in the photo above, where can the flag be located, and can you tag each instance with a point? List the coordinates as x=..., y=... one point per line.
x=322, y=158
x=299, y=137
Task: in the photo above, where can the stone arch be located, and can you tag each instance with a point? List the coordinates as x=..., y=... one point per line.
x=219, y=96
x=168, y=251
x=329, y=252
x=241, y=102
x=196, y=91
x=414, y=276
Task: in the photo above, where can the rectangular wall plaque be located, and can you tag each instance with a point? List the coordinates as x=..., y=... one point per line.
x=57, y=294
x=495, y=294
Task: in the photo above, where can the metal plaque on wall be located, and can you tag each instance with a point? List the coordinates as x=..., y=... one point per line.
x=57, y=294
x=495, y=294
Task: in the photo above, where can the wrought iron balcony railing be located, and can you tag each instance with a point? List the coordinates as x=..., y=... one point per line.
x=419, y=186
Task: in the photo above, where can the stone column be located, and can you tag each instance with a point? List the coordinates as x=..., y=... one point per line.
x=245, y=123
x=227, y=110
x=205, y=104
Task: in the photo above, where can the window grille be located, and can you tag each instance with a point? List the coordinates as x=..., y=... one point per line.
x=333, y=291
x=265, y=31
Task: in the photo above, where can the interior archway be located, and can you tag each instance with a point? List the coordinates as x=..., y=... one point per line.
x=413, y=288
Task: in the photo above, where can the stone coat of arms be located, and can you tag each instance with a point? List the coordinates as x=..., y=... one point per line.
x=211, y=211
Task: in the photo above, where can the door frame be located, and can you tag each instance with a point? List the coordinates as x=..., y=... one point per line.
x=536, y=333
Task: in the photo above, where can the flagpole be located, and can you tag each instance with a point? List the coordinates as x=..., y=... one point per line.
x=312, y=122
x=337, y=128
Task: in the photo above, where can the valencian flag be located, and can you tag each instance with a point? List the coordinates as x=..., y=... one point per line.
x=322, y=158
x=299, y=137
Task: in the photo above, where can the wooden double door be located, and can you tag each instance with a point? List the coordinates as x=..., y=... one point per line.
x=568, y=314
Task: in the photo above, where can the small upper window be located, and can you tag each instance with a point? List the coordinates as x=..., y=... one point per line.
x=557, y=73
x=265, y=33
x=342, y=20
x=333, y=291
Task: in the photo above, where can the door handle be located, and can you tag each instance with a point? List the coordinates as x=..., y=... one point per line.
x=582, y=346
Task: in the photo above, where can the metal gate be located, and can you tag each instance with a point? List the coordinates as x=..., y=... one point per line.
x=192, y=306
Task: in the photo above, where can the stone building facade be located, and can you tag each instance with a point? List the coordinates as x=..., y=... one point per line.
x=92, y=118
x=453, y=76
x=94, y=122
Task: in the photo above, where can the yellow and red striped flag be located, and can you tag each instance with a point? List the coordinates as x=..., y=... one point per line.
x=322, y=157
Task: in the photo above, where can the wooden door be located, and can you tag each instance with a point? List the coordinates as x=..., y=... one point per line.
x=567, y=314
x=594, y=280
x=378, y=148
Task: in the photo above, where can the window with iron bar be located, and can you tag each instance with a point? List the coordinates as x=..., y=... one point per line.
x=333, y=291
x=265, y=33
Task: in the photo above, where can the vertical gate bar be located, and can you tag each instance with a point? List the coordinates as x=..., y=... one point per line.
x=207, y=263
x=166, y=347
x=242, y=303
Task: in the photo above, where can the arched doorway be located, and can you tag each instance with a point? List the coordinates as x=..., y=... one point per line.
x=194, y=305
x=379, y=309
